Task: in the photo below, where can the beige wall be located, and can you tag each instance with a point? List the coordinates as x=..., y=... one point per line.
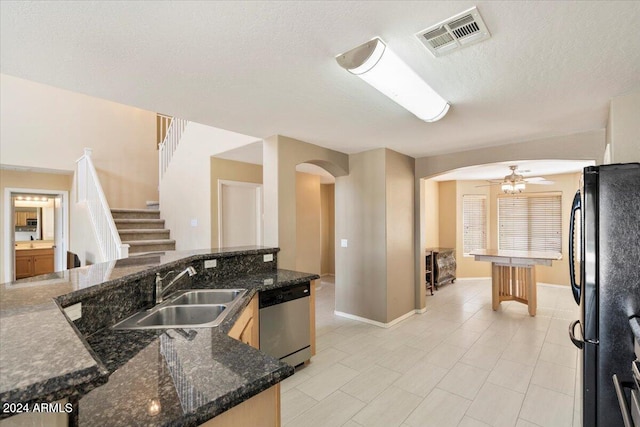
x=27, y=180
x=46, y=127
x=374, y=213
x=448, y=218
x=327, y=226
x=186, y=187
x=280, y=157
x=232, y=171
x=399, y=171
x=623, y=131
x=578, y=146
x=361, y=267
x=308, y=241
x=431, y=214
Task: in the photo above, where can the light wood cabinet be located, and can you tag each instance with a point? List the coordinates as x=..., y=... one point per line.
x=262, y=410
x=32, y=262
x=246, y=328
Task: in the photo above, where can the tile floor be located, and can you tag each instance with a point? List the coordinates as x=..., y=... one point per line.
x=457, y=364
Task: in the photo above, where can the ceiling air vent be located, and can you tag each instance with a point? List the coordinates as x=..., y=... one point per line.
x=455, y=33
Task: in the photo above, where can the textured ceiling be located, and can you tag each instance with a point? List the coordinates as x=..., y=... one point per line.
x=266, y=68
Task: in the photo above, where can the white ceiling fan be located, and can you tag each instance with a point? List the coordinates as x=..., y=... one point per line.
x=516, y=183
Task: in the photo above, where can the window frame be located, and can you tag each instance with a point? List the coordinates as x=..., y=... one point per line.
x=466, y=251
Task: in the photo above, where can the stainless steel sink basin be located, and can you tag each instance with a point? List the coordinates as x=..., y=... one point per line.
x=183, y=315
x=202, y=308
x=207, y=296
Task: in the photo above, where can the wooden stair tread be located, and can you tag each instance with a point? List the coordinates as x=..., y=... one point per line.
x=149, y=242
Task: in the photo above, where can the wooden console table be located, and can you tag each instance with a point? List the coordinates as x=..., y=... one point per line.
x=513, y=274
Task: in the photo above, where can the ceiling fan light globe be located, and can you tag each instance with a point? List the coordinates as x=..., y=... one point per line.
x=519, y=186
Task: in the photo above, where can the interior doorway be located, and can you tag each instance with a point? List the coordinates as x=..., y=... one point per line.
x=35, y=220
x=240, y=214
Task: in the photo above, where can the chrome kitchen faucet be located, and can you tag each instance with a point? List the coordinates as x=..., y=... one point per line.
x=159, y=289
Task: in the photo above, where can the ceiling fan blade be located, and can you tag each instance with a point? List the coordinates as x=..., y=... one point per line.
x=535, y=178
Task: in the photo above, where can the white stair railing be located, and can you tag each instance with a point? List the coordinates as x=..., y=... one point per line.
x=170, y=143
x=89, y=191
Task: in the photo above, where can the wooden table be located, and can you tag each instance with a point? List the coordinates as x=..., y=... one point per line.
x=513, y=274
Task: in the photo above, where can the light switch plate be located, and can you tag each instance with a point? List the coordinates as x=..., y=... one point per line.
x=194, y=222
x=343, y=243
x=268, y=257
x=74, y=312
x=210, y=263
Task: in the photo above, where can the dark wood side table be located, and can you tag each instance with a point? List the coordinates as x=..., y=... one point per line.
x=443, y=262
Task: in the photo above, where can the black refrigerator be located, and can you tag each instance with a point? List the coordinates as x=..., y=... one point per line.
x=605, y=282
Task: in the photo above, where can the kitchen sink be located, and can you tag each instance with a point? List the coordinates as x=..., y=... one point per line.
x=201, y=308
x=183, y=315
x=207, y=296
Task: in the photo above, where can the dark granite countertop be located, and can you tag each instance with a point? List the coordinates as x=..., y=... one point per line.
x=43, y=355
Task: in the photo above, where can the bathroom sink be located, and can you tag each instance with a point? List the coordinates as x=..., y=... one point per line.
x=207, y=296
x=201, y=308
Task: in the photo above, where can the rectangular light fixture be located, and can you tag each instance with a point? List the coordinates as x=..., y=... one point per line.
x=377, y=65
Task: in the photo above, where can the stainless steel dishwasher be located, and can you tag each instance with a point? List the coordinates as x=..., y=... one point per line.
x=284, y=323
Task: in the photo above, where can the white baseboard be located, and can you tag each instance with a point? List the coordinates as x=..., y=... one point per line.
x=327, y=274
x=374, y=322
x=472, y=278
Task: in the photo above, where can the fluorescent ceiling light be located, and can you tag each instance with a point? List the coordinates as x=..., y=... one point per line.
x=377, y=65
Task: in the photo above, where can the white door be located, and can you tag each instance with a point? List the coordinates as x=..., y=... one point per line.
x=240, y=213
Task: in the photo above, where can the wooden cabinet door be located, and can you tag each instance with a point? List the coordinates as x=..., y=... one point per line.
x=24, y=266
x=43, y=264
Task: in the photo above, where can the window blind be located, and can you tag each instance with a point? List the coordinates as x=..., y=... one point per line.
x=531, y=222
x=474, y=218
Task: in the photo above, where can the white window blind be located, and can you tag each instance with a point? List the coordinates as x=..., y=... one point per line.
x=531, y=222
x=474, y=218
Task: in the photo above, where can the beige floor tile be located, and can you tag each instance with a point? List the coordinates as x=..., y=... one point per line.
x=439, y=409
x=522, y=352
x=294, y=403
x=512, y=375
x=482, y=356
x=421, y=379
x=323, y=360
x=370, y=383
x=298, y=378
x=356, y=344
x=464, y=380
x=524, y=423
x=368, y=357
x=559, y=354
x=554, y=377
x=321, y=386
x=445, y=355
x=495, y=338
x=335, y=410
x=352, y=423
x=496, y=406
x=547, y=408
x=471, y=422
x=402, y=359
x=389, y=409
x=463, y=338
x=477, y=324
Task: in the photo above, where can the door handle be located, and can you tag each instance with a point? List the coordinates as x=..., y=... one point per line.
x=577, y=342
x=575, y=206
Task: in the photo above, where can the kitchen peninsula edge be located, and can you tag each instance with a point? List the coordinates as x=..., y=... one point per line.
x=45, y=357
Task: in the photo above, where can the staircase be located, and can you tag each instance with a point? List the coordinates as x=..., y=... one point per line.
x=142, y=230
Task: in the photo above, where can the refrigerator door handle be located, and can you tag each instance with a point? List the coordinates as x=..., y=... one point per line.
x=577, y=342
x=575, y=206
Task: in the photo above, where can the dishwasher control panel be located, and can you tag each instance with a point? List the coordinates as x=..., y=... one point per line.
x=282, y=295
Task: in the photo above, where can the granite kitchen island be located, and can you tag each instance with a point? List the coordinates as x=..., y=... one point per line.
x=135, y=377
